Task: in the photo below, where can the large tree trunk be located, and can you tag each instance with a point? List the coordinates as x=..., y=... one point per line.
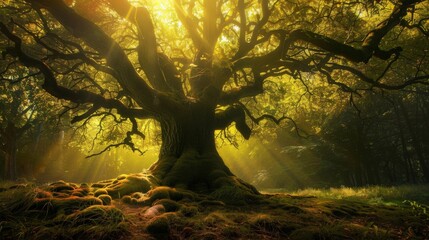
x=188, y=157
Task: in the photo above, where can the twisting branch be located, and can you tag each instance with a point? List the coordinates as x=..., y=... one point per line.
x=418, y=25
x=277, y=121
x=375, y=82
x=370, y=45
x=159, y=69
x=80, y=55
x=115, y=57
x=51, y=86
x=127, y=141
x=187, y=19
x=251, y=90
x=86, y=115
x=368, y=49
x=244, y=46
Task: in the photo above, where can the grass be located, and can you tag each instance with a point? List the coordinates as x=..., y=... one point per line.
x=370, y=194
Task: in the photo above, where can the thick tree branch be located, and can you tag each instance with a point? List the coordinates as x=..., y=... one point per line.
x=277, y=121
x=370, y=45
x=368, y=49
x=160, y=70
x=80, y=55
x=340, y=49
x=191, y=26
x=232, y=114
x=51, y=86
x=108, y=48
x=251, y=90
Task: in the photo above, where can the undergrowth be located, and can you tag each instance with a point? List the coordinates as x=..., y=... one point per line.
x=30, y=212
x=372, y=194
x=112, y=209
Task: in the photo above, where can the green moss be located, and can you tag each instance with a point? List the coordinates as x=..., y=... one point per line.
x=96, y=215
x=265, y=222
x=66, y=205
x=308, y=233
x=126, y=199
x=18, y=186
x=208, y=236
x=18, y=200
x=128, y=185
x=35, y=213
x=158, y=225
x=189, y=211
x=233, y=195
x=138, y=195
x=216, y=219
x=106, y=199
x=99, y=192
x=206, y=203
x=40, y=193
x=169, y=205
x=168, y=193
x=77, y=194
x=122, y=176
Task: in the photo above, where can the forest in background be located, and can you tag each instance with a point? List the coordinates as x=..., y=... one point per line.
x=381, y=140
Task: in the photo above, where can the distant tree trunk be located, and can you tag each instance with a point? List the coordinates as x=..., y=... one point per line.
x=10, y=149
x=415, y=142
x=410, y=172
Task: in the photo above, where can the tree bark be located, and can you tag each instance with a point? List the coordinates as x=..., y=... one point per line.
x=188, y=157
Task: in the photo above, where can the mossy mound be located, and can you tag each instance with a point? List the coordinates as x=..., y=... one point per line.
x=106, y=199
x=276, y=217
x=233, y=195
x=96, y=215
x=66, y=205
x=58, y=210
x=64, y=210
x=158, y=193
x=157, y=226
x=125, y=184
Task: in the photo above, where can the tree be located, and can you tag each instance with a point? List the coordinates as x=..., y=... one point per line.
x=17, y=115
x=197, y=81
x=24, y=108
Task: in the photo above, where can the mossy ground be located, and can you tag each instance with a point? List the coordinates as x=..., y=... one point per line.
x=116, y=209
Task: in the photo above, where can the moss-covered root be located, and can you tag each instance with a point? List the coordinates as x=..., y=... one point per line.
x=234, y=191
x=201, y=173
x=158, y=193
x=126, y=184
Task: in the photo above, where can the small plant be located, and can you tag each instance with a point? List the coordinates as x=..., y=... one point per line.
x=418, y=209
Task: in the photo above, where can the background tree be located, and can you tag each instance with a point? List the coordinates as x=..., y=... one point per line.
x=199, y=70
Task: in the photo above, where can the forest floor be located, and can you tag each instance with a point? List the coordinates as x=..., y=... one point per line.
x=63, y=210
